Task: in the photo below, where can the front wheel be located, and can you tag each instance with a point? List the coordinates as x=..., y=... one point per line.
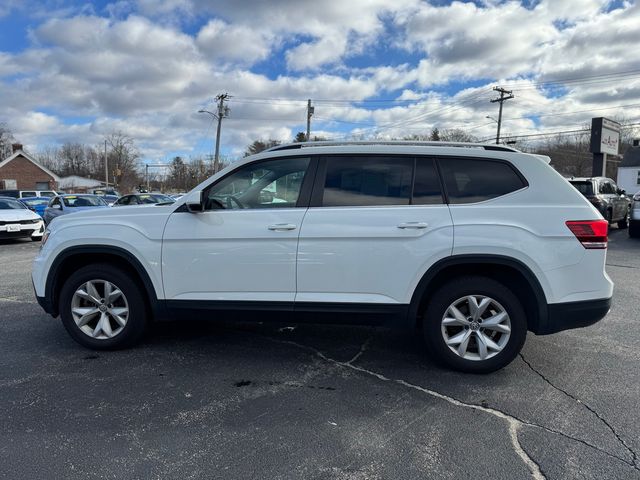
x=103, y=308
x=474, y=324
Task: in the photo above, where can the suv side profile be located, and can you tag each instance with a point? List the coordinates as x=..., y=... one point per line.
x=464, y=243
x=611, y=201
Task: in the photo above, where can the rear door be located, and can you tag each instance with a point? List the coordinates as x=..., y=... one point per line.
x=375, y=224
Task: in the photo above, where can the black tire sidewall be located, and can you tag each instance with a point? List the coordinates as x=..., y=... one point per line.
x=136, y=323
x=473, y=285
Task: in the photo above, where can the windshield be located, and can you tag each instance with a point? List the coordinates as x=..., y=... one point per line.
x=34, y=202
x=8, y=204
x=83, y=201
x=585, y=188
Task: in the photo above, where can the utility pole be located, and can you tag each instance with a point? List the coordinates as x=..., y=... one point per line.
x=501, y=99
x=222, y=111
x=106, y=167
x=310, y=111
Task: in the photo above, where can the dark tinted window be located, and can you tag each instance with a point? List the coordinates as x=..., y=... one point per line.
x=476, y=180
x=363, y=181
x=426, y=188
x=585, y=188
x=607, y=187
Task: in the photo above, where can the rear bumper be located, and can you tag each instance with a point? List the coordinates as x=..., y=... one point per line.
x=565, y=316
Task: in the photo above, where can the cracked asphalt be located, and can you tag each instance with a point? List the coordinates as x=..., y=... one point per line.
x=238, y=400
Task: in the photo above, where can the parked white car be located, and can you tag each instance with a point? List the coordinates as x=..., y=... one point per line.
x=471, y=245
x=17, y=221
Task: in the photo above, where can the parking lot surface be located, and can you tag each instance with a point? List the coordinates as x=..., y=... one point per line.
x=227, y=400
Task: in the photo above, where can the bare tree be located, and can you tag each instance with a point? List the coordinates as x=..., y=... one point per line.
x=124, y=159
x=6, y=139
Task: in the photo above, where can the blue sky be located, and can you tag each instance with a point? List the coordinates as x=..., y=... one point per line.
x=77, y=71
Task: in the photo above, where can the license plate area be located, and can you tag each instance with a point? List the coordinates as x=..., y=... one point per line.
x=13, y=228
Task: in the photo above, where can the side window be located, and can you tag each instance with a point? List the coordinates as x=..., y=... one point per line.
x=124, y=200
x=28, y=194
x=55, y=201
x=470, y=180
x=268, y=184
x=606, y=188
x=366, y=181
x=426, y=186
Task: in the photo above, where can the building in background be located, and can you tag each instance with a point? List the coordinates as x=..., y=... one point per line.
x=21, y=171
x=629, y=169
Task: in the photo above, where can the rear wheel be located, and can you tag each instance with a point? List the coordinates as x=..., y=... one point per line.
x=103, y=308
x=474, y=324
x=634, y=229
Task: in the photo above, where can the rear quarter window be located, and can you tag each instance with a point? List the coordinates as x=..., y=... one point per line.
x=472, y=180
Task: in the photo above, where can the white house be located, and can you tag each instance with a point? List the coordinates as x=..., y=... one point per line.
x=76, y=184
x=629, y=170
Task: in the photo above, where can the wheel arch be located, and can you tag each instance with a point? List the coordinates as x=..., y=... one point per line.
x=512, y=272
x=76, y=257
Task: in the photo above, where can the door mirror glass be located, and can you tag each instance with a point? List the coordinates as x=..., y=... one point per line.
x=57, y=206
x=194, y=201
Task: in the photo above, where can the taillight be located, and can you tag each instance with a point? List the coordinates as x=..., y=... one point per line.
x=590, y=233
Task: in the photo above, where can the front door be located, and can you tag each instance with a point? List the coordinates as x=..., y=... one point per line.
x=243, y=246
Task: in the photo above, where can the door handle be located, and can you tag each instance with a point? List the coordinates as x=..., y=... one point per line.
x=413, y=225
x=281, y=227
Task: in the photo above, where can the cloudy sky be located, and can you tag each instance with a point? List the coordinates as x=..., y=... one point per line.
x=75, y=71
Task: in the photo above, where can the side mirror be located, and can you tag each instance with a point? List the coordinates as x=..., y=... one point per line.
x=195, y=202
x=622, y=191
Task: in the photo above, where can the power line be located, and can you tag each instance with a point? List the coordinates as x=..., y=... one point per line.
x=599, y=77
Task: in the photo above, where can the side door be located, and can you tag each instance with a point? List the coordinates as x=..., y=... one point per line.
x=53, y=210
x=621, y=204
x=242, y=247
x=610, y=196
x=374, y=226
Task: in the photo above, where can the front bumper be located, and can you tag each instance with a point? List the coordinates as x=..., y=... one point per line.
x=565, y=316
x=25, y=230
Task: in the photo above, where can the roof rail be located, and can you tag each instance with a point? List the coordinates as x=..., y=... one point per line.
x=300, y=145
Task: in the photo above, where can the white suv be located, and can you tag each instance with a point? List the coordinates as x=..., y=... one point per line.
x=474, y=245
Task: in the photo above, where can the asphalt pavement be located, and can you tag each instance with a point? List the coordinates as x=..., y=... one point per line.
x=272, y=401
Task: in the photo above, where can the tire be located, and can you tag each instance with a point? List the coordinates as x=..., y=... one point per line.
x=126, y=320
x=624, y=223
x=609, y=217
x=500, y=299
x=36, y=239
x=634, y=229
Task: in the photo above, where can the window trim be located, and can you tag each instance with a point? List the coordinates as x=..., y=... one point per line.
x=305, y=188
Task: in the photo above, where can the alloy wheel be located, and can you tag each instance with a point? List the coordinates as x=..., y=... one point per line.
x=476, y=327
x=100, y=309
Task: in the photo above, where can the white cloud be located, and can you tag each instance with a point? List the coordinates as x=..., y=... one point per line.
x=240, y=43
